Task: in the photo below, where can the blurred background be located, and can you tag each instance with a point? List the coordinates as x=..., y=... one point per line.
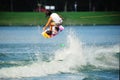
x=75, y=12
x=59, y=5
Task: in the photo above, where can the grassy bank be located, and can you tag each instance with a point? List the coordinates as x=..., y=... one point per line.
x=70, y=18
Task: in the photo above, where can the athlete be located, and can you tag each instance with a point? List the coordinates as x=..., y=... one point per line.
x=54, y=22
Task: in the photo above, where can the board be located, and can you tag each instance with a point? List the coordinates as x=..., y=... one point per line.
x=49, y=34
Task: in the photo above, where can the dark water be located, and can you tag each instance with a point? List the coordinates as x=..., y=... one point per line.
x=77, y=53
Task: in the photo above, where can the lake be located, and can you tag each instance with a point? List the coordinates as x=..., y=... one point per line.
x=76, y=53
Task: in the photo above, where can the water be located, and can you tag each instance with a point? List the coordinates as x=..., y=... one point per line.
x=77, y=53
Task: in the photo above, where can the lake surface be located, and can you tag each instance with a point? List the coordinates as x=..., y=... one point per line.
x=77, y=53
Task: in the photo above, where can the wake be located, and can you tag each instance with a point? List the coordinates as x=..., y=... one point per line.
x=70, y=56
x=67, y=60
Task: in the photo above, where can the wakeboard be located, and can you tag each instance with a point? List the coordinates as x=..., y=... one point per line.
x=50, y=34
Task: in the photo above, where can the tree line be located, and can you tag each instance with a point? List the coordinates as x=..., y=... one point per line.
x=60, y=5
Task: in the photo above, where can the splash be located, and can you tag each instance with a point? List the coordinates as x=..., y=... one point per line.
x=72, y=54
x=102, y=57
x=67, y=59
x=63, y=61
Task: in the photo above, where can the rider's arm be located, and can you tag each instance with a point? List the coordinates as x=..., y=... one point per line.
x=47, y=24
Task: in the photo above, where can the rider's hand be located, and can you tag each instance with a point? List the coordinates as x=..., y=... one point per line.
x=44, y=28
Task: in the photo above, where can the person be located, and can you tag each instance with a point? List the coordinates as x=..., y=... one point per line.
x=75, y=6
x=54, y=22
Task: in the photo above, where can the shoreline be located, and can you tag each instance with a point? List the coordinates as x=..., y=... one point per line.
x=82, y=25
x=70, y=18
